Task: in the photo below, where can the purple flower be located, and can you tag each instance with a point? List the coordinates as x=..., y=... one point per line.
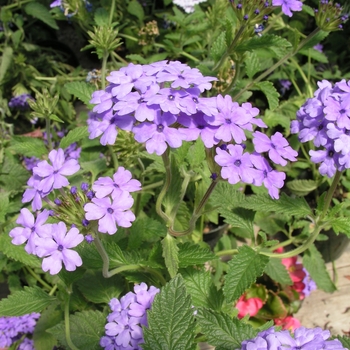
x=278, y=147
x=32, y=229
x=329, y=160
x=309, y=283
x=288, y=6
x=124, y=327
x=122, y=181
x=30, y=163
x=53, y=176
x=56, y=3
x=20, y=102
x=236, y=165
x=318, y=47
x=57, y=249
x=159, y=133
x=33, y=193
x=109, y=214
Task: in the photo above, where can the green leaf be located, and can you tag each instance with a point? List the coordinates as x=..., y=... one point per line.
x=116, y=255
x=344, y=340
x=270, y=92
x=272, y=43
x=219, y=47
x=170, y=254
x=55, y=118
x=31, y=299
x=74, y=135
x=6, y=60
x=227, y=196
x=239, y=217
x=48, y=318
x=86, y=329
x=4, y=205
x=41, y=12
x=315, y=55
x=200, y=287
x=316, y=39
x=170, y=321
x=90, y=256
x=196, y=154
x=17, y=252
x=285, y=205
x=315, y=265
x=277, y=271
x=273, y=308
x=341, y=225
x=81, y=90
x=135, y=8
x=192, y=254
x=252, y=64
x=102, y=290
x=243, y=270
x=302, y=187
x=101, y=17
x=28, y=146
x=145, y=230
x=222, y=331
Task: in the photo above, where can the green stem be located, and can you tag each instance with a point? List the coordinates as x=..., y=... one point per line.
x=196, y=214
x=19, y=4
x=277, y=64
x=183, y=53
x=105, y=258
x=120, y=59
x=306, y=245
x=67, y=324
x=53, y=290
x=282, y=244
x=227, y=252
x=296, y=87
x=104, y=69
x=228, y=51
x=123, y=268
x=157, y=274
x=48, y=132
x=111, y=13
x=114, y=158
x=151, y=186
x=166, y=161
x=329, y=195
x=38, y=278
x=233, y=82
x=301, y=72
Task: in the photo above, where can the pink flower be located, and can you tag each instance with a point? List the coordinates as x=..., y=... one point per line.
x=249, y=306
x=295, y=270
x=291, y=323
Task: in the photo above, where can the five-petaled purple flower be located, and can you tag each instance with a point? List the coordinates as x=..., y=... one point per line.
x=288, y=6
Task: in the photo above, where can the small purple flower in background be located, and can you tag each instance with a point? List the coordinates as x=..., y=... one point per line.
x=318, y=47
x=30, y=163
x=53, y=176
x=309, y=283
x=14, y=328
x=32, y=229
x=124, y=327
x=109, y=214
x=277, y=147
x=122, y=181
x=285, y=85
x=56, y=3
x=288, y=6
x=57, y=249
x=304, y=338
x=20, y=102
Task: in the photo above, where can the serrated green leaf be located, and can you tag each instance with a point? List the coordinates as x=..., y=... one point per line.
x=302, y=187
x=41, y=12
x=341, y=225
x=227, y=196
x=95, y=167
x=81, y=90
x=219, y=47
x=276, y=45
x=4, y=205
x=116, y=255
x=285, y=205
x=170, y=321
x=315, y=265
x=101, y=17
x=170, y=254
x=192, y=254
x=48, y=318
x=86, y=330
x=74, y=135
x=316, y=39
x=196, y=154
x=270, y=92
x=17, y=252
x=55, y=118
x=90, y=256
x=277, y=271
x=6, y=60
x=243, y=270
x=145, y=230
x=102, y=290
x=69, y=277
x=252, y=64
x=239, y=217
x=135, y=8
x=222, y=331
x=201, y=288
x=31, y=299
x=315, y=55
x=28, y=146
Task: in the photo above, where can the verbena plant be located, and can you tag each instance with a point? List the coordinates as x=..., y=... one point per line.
x=114, y=178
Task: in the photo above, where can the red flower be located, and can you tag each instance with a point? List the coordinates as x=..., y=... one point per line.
x=295, y=270
x=249, y=306
x=291, y=323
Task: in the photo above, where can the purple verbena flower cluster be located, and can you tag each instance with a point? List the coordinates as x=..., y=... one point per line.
x=325, y=120
x=304, y=338
x=129, y=314
x=20, y=102
x=14, y=328
x=112, y=201
x=309, y=283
